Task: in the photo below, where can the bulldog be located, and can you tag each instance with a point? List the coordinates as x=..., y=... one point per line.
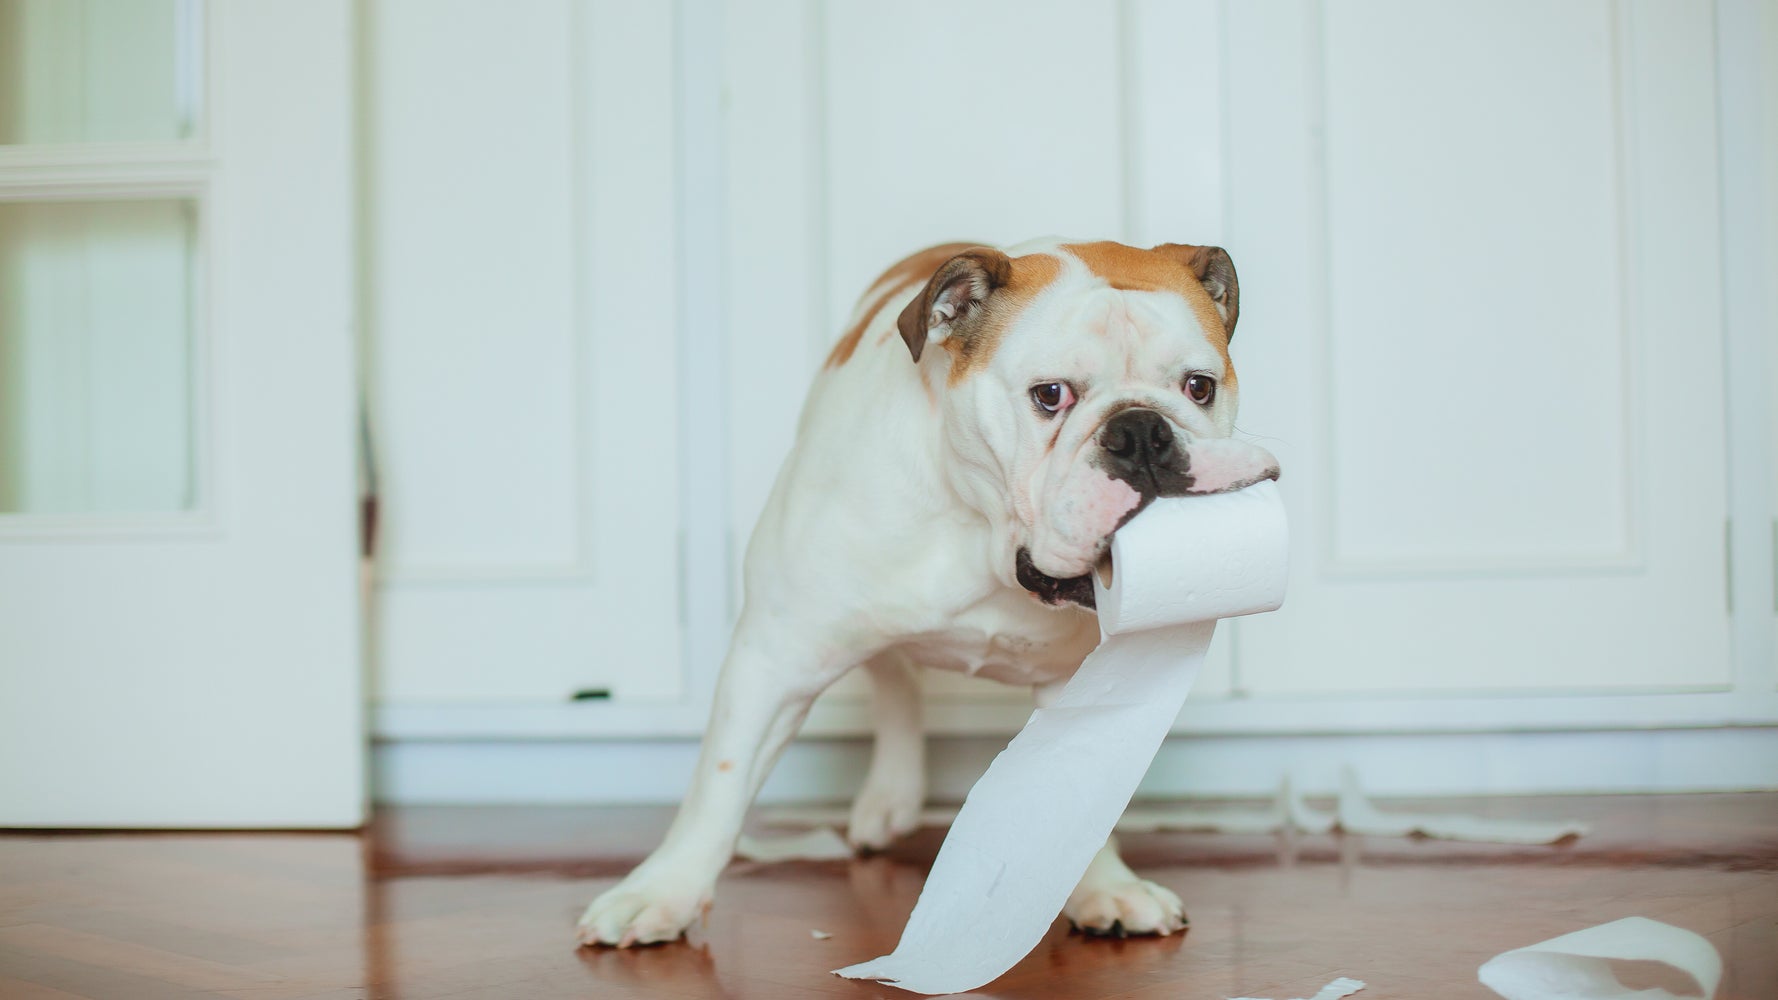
x=988, y=420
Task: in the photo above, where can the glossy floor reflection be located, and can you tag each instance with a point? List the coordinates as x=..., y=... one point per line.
x=470, y=903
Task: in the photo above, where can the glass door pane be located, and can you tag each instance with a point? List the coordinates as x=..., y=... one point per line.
x=98, y=70
x=96, y=334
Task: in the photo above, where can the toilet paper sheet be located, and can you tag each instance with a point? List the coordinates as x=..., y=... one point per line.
x=1049, y=800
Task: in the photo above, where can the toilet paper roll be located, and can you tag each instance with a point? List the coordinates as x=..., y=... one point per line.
x=1046, y=804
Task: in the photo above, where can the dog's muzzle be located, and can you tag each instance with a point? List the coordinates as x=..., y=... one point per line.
x=1138, y=446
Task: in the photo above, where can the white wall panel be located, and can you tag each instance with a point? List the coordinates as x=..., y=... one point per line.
x=473, y=249
x=1173, y=106
x=522, y=235
x=994, y=121
x=1502, y=439
x=778, y=328
x=1476, y=319
x=1747, y=39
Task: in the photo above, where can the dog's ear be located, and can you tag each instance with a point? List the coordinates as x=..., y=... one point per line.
x=954, y=296
x=1216, y=272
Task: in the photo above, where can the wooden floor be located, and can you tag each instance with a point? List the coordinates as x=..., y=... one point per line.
x=471, y=903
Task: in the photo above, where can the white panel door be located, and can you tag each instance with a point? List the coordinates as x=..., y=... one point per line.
x=179, y=620
x=1479, y=251
x=522, y=254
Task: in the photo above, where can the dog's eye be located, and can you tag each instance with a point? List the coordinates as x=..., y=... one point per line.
x=1201, y=388
x=1052, y=397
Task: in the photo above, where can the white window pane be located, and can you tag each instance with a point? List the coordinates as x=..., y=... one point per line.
x=96, y=356
x=98, y=70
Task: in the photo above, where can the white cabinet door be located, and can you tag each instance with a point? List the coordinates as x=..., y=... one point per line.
x=1479, y=251
x=521, y=245
x=179, y=623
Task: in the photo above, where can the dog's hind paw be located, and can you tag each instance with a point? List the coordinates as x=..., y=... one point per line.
x=882, y=814
x=1126, y=907
x=639, y=914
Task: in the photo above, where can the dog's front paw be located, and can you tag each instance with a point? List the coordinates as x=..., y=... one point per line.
x=641, y=911
x=1129, y=906
x=882, y=813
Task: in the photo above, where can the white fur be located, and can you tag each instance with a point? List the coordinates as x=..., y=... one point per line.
x=889, y=540
x=888, y=804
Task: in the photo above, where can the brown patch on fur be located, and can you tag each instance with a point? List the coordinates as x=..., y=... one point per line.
x=909, y=271
x=974, y=349
x=1170, y=267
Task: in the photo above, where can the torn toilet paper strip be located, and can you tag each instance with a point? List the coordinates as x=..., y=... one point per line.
x=1577, y=966
x=1039, y=814
x=1332, y=991
x=820, y=844
x=1047, y=803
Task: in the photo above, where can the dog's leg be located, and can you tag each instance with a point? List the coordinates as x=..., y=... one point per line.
x=1112, y=899
x=888, y=805
x=767, y=684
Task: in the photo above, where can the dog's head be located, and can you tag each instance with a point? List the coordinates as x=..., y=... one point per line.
x=1078, y=382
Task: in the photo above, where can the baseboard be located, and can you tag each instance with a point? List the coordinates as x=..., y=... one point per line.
x=1000, y=711
x=1404, y=764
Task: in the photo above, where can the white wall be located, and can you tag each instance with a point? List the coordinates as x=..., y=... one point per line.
x=1501, y=322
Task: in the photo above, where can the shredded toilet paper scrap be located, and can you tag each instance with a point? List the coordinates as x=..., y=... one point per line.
x=1332, y=991
x=1577, y=966
x=1017, y=848
x=1357, y=815
x=820, y=844
x=1353, y=814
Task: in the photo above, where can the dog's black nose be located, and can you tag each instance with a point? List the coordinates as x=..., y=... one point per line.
x=1137, y=443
